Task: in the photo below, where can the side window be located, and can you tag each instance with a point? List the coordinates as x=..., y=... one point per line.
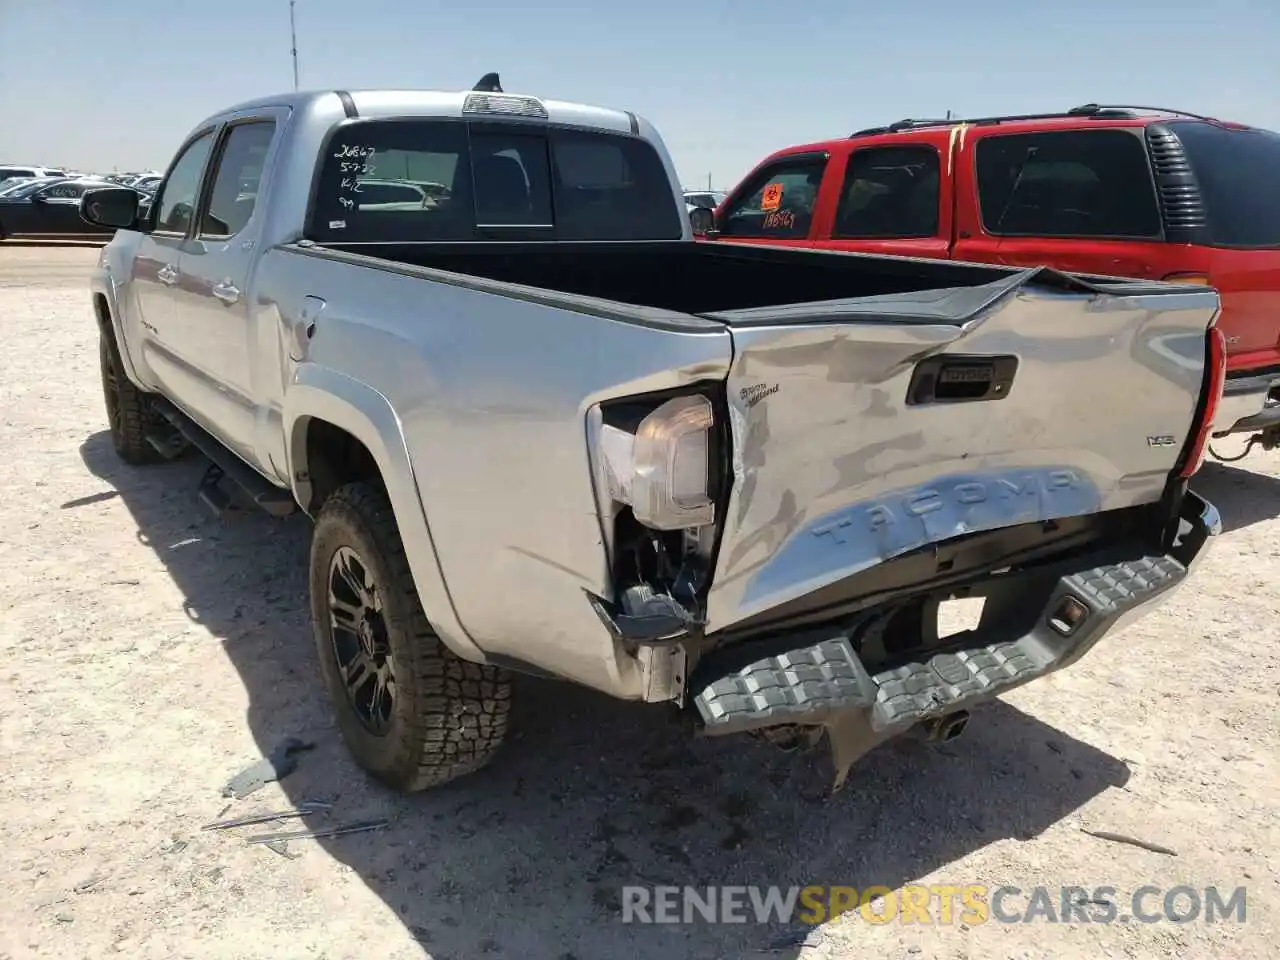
x=235, y=184
x=175, y=202
x=1072, y=183
x=889, y=193
x=777, y=203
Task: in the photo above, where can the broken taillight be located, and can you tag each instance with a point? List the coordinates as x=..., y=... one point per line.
x=662, y=471
x=1216, y=362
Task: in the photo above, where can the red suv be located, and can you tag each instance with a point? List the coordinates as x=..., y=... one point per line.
x=1121, y=191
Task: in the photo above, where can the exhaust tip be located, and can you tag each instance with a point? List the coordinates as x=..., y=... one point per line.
x=947, y=728
x=955, y=725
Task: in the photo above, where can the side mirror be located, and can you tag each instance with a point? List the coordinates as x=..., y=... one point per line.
x=110, y=207
x=703, y=220
x=39, y=198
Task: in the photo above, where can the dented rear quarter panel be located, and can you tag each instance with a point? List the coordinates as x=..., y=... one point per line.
x=491, y=395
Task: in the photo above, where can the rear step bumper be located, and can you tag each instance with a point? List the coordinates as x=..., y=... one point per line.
x=823, y=682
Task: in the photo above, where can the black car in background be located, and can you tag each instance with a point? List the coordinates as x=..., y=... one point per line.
x=48, y=209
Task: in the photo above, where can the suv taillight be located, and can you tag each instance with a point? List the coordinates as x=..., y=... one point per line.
x=1200, y=279
x=1216, y=361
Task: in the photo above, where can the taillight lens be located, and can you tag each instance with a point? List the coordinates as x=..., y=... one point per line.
x=1200, y=279
x=662, y=470
x=1217, y=376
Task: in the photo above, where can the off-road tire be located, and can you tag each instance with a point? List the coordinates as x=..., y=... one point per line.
x=449, y=715
x=129, y=411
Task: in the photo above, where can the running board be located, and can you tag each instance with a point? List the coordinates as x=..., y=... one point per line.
x=168, y=443
x=267, y=496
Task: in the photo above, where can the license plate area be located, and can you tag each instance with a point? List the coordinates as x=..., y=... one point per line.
x=959, y=615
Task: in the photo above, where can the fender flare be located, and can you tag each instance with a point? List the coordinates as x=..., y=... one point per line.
x=320, y=393
x=102, y=284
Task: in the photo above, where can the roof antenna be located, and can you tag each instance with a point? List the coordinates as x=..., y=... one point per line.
x=489, y=83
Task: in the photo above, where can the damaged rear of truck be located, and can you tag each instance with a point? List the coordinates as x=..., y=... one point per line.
x=542, y=430
x=786, y=536
x=706, y=492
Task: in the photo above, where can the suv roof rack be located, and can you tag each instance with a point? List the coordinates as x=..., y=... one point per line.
x=1096, y=111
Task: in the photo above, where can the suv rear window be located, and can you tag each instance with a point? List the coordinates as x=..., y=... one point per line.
x=1070, y=183
x=397, y=181
x=1238, y=172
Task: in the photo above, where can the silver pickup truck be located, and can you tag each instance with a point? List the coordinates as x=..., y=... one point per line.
x=540, y=429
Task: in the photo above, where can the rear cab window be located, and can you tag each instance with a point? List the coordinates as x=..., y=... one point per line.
x=777, y=202
x=412, y=180
x=1069, y=183
x=1238, y=173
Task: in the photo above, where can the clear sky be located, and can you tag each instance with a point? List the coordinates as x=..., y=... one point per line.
x=102, y=85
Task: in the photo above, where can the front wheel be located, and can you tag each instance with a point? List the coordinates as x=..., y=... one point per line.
x=411, y=713
x=129, y=411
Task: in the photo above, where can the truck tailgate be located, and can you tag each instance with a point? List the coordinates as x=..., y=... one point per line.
x=863, y=429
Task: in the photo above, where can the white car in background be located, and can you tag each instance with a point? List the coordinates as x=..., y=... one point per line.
x=704, y=198
x=9, y=171
x=699, y=200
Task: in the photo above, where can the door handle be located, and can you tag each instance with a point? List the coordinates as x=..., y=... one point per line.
x=961, y=378
x=226, y=291
x=168, y=274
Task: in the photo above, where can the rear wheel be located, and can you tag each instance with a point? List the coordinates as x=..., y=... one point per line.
x=129, y=411
x=411, y=713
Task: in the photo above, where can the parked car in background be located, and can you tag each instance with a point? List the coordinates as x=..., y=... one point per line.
x=746, y=493
x=8, y=171
x=13, y=183
x=48, y=208
x=703, y=198
x=382, y=194
x=1125, y=191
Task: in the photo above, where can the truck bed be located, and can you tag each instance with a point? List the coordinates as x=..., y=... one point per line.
x=876, y=405
x=700, y=278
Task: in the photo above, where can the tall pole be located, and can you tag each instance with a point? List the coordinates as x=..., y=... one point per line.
x=293, y=36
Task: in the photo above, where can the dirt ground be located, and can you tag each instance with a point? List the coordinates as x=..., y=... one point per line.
x=150, y=651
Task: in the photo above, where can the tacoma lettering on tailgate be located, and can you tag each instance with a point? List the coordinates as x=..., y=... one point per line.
x=857, y=536
x=928, y=500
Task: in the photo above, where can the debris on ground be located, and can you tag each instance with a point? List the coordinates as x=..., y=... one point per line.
x=1132, y=841
x=282, y=848
x=84, y=886
x=277, y=765
x=303, y=809
x=797, y=939
x=334, y=831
